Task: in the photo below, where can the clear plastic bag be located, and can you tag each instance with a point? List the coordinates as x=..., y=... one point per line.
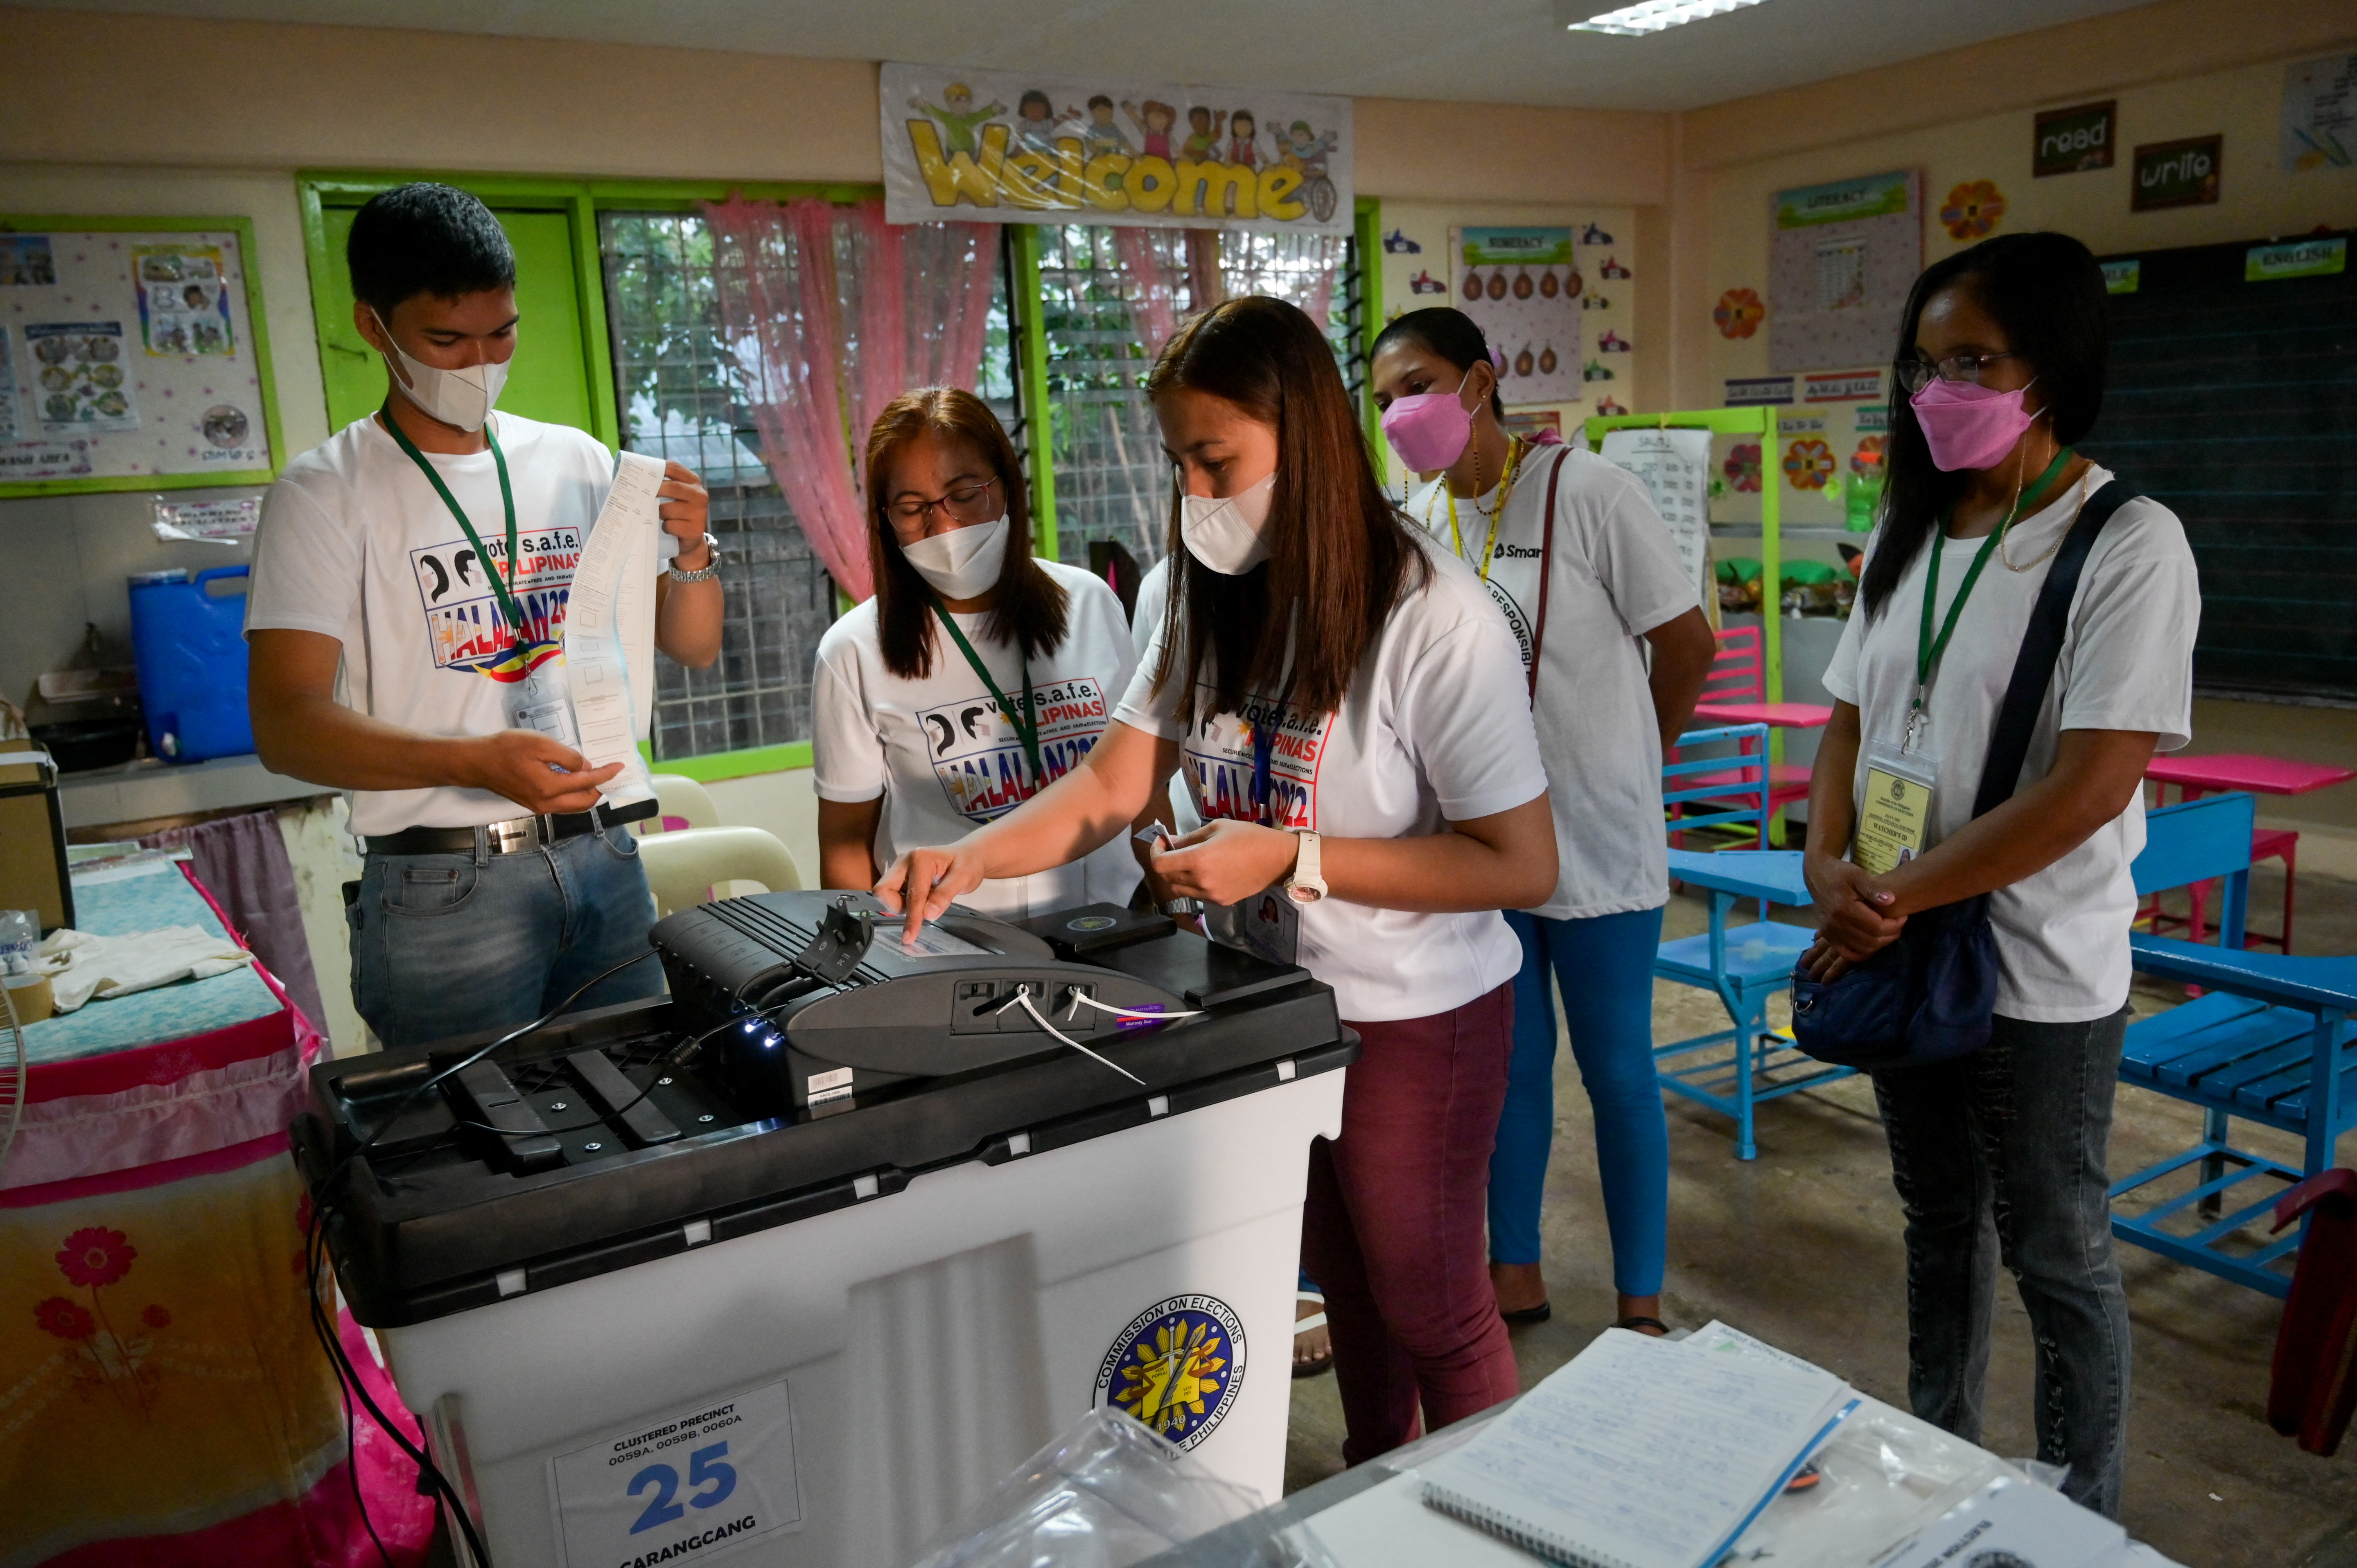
x=1106, y=1494
x=1881, y=1477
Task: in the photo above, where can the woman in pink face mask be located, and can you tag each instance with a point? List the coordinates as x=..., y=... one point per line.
x=2000, y=371
x=1588, y=579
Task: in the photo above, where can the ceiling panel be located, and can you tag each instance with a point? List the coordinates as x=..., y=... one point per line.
x=1498, y=51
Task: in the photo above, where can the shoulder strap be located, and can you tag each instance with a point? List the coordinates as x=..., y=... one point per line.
x=1546, y=565
x=2041, y=646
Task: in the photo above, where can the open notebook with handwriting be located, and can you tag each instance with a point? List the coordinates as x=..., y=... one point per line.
x=1643, y=1453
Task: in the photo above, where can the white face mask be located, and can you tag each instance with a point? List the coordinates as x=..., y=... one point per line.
x=1224, y=533
x=963, y=563
x=463, y=398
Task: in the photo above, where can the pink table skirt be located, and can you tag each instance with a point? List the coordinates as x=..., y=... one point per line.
x=162, y=1399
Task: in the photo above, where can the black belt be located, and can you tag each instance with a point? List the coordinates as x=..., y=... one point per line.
x=514, y=834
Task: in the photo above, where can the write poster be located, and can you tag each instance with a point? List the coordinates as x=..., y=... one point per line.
x=1012, y=147
x=129, y=357
x=1521, y=287
x=2319, y=114
x=1675, y=467
x=1841, y=259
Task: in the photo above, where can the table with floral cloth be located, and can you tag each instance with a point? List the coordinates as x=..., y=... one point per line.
x=162, y=1399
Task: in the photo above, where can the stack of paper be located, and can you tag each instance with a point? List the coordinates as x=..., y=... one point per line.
x=1643, y=1453
x=2010, y=1522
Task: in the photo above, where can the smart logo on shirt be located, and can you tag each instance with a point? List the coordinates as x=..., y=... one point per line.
x=463, y=623
x=978, y=757
x=1218, y=759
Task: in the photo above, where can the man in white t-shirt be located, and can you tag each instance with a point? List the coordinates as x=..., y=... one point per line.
x=405, y=628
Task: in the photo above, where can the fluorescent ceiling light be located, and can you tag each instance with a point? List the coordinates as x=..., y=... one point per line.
x=1654, y=15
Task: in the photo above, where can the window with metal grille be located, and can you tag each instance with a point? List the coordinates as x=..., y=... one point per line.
x=1112, y=480
x=682, y=396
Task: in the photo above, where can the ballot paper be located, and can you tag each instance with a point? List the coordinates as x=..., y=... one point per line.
x=609, y=628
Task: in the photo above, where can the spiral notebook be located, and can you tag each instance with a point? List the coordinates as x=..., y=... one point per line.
x=1643, y=1453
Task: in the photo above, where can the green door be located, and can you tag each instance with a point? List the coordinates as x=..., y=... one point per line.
x=548, y=379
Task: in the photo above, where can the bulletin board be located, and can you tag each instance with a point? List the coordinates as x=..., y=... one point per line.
x=133, y=356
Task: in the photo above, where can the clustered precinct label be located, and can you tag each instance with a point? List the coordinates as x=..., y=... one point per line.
x=720, y=1472
x=1018, y=148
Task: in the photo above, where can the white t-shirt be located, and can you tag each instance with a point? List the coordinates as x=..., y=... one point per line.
x=355, y=544
x=1145, y=621
x=943, y=757
x=2126, y=665
x=1615, y=577
x=1434, y=729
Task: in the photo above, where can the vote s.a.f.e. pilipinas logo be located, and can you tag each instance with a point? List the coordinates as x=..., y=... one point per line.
x=1177, y=1367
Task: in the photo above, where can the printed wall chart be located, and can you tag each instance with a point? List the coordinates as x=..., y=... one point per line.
x=130, y=357
x=1840, y=258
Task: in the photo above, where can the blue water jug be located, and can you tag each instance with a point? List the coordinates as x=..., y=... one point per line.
x=189, y=644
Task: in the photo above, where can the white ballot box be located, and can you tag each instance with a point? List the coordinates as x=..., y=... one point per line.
x=807, y=1294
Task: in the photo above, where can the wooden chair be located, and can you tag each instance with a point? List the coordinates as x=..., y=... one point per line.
x=1738, y=673
x=2270, y=1041
x=1705, y=793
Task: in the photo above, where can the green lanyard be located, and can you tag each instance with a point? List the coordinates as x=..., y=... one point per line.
x=1929, y=649
x=500, y=590
x=1026, y=723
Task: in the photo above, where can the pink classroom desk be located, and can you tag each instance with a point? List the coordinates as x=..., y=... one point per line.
x=2195, y=776
x=1775, y=715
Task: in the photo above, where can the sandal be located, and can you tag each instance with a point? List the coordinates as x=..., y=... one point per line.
x=1640, y=1325
x=1312, y=1366
x=1524, y=1317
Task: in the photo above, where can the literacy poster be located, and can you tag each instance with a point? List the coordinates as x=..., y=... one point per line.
x=1521, y=287
x=1841, y=259
x=1013, y=147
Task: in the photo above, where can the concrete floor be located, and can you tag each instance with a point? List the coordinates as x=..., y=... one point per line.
x=1802, y=1248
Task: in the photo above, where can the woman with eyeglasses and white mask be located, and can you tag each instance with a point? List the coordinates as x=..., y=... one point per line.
x=1348, y=711
x=978, y=673
x=1998, y=1156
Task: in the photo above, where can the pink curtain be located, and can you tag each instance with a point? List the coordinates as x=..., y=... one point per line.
x=1153, y=303
x=833, y=313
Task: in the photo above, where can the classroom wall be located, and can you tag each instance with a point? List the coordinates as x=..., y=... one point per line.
x=2176, y=69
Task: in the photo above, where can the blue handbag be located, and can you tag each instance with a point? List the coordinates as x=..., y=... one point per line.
x=1930, y=996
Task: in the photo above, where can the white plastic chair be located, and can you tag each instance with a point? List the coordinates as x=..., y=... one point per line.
x=680, y=800
x=688, y=866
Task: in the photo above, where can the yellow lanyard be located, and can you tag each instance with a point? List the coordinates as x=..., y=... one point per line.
x=1505, y=488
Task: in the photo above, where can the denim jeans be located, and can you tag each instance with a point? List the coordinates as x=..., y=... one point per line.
x=450, y=944
x=1603, y=966
x=1999, y=1157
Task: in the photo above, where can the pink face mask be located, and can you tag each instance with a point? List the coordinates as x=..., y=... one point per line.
x=1967, y=426
x=1428, y=430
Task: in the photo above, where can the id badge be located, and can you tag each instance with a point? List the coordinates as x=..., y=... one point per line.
x=1894, y=820
x=1267, y=925
x=542, y=701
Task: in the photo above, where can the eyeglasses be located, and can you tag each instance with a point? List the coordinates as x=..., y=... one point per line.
x=965, y=504
x=1916, y=374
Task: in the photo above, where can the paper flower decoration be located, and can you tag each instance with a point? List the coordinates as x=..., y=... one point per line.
x=1808, y=463
x=1739, y=313
x=1605, y=405
x=1867, y=458
x=1742, y=467
x=1973, y=211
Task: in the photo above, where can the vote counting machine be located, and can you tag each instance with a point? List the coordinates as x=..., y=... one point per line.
x=815, y=1249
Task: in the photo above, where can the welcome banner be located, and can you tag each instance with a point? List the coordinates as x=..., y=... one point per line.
x=1029, y=149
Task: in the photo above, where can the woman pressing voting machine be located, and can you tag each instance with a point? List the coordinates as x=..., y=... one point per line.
x=1573, y=551
x=1998, y=1154
x=976, y=675
x=1351, y=719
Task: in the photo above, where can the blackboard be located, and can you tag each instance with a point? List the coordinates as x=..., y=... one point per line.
x=2234, y=402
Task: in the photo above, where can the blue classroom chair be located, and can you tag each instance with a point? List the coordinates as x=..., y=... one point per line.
x=1731, y=1070
x=2270, y=1041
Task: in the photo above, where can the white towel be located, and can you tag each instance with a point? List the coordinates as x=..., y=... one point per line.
x=81, y=965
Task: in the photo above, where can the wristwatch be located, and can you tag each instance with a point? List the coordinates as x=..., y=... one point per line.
x=1305, y=886
x=703, y=573
x=1183, y=908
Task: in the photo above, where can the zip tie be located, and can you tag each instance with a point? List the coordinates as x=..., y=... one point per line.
x=1041, y=1019
x=1127, y=1012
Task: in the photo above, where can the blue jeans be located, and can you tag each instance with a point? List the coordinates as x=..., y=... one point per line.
x=1999, y=1157
x=450, y=944
x=1605, y=967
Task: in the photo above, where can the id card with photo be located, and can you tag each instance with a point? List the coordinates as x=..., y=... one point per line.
x=1894, y=819
x=1267, y=925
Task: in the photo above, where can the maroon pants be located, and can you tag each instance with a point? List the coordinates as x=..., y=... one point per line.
x=1392, y=1229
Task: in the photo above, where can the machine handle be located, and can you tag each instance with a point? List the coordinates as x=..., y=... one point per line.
x=209, y=573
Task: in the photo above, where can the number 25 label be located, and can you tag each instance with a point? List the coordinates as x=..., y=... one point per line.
x=705, y=1475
